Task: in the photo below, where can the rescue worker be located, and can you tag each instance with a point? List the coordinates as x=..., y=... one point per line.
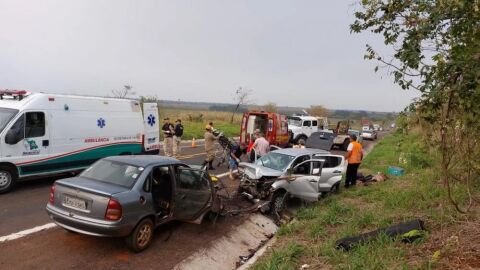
x=354, y=157
x=261, y=145
x=234, y=159
x=168, y=132
x=211, y=125
x=210, y=140
x=177, y=138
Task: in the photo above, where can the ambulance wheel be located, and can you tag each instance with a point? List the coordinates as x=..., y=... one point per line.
x=8, y=179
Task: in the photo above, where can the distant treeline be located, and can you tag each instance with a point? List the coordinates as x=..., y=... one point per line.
x=227, y=108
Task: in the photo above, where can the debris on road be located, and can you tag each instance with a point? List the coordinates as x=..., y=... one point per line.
x=408, y=231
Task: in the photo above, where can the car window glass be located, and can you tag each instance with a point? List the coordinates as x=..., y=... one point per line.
x=330, y=161
x=113, y=172
x=307, y=123
x=304, y=168
x=314, y=123
x=34, y=124
x=192, y=179
x=275, y=161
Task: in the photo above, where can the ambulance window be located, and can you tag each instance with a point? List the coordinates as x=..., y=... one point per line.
x=34, y=124
x=307, y=123
x=314, y=123
x=16, y=132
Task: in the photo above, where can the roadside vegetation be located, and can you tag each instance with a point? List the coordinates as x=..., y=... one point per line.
x=452, y=241
x=194, y=121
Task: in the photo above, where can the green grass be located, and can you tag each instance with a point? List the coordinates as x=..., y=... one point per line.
x=417, y=194
x=285, y=258
x=194, y=121
x=197, y=130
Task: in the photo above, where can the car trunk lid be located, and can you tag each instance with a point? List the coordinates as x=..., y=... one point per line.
x=85, y=197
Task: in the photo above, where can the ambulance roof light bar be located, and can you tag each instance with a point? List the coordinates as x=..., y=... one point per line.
x=16, y=94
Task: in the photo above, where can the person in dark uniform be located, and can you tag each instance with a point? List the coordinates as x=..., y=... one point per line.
x=168, y=132
x=177, y=138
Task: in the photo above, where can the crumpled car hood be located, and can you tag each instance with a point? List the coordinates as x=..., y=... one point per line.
x=256, y=172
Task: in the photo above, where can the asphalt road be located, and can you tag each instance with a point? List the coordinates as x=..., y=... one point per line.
x=24, y=208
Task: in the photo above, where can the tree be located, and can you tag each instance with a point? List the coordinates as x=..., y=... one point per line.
x=123, y=93
x=271, y=107
x=436, y=51
x=317, y=110
x=241, y=98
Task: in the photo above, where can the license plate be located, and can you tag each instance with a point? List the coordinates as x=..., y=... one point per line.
x=75, y=203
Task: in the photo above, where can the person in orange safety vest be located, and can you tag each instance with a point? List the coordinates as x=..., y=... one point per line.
x=354, y=157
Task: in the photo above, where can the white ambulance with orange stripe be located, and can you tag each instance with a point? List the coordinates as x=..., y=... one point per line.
x=45, y=134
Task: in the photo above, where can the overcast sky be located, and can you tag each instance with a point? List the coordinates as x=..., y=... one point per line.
x=294, y=53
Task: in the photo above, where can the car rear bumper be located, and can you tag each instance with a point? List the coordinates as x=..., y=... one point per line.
x=88, y=227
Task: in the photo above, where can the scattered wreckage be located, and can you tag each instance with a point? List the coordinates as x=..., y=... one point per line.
x=307, y=174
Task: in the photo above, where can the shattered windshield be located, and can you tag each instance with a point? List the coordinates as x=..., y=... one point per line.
x=275, y=161
x=294, y=121
x=5, y=116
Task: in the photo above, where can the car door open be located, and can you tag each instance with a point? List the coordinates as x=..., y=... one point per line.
x=193, y=193
x=307, y=176
x=332, y=171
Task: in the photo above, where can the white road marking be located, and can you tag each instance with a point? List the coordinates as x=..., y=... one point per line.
x=24, y=233
x=48, y=226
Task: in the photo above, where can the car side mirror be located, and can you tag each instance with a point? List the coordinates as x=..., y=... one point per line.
x=290, y=171
x=12, y=138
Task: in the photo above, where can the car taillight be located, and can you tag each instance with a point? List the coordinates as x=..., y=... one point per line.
x=51, y=200
x=114, y=210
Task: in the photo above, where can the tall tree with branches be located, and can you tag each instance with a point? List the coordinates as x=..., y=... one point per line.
x=241, y=98
x=125, y=92
x=437, y=52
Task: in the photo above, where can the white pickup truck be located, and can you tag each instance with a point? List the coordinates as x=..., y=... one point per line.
x=300, y=127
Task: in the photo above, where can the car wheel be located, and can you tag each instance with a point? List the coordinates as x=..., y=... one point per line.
x=335, y=188
x=278, y=201
x=345, y=145
x=302, y=140
x=8, y=179
x=141, y=237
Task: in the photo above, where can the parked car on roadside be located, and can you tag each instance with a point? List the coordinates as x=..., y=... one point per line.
x=369, y=135
x=129, y=196
x=305, y=173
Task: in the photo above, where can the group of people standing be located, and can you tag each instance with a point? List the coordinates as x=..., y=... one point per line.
x=172, y=137
x=258, y=148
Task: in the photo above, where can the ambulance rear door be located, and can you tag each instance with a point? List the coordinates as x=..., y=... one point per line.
x=151, y=127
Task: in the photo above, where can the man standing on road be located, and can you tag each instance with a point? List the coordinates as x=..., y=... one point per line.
x=168, y=132
x=354, y=157
x=210, y=140
x=177, y=138
x=261, y=145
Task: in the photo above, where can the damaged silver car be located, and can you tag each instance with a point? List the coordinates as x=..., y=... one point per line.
x=307, y=174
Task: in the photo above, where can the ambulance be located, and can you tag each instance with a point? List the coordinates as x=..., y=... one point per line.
x=273, y=125
x=44, y=134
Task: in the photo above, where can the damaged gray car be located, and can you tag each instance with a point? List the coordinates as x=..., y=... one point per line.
x=307, y=174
